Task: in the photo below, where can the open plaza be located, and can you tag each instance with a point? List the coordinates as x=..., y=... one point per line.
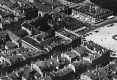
x=105, y=36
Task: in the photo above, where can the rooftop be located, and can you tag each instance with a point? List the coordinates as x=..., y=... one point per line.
x=92, y=10
x=68, y=34
x=32, y=42
x=42, y=7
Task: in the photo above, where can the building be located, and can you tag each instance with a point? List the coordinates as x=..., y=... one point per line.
x=29, y=28
x=42, y=36
x=61, y=20
x=99, y=55
x=70, y=55
x=103, y=36
x=91, y=13
x=14, y=38
x=74, y=25
x=67, y=34
x=42, y=8
x=56, y=45
x=65, y=73
x=30, y=11
x=28, y=42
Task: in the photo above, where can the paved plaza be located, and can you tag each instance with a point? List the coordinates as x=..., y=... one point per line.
x=105, y=36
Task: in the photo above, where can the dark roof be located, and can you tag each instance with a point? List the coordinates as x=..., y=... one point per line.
x=5, y=14
x=28, y=26
x=10, y=45
x=13, y=36
x=37, y=75
x=71, y=21
x=114, y=67
x=92, y=10
x=2, y=33
x=46, y=78
x=13, y=75
x=43, y=36
x=24, y=55
x=28, y=5
x=5, y=78
x=77, y=64
x=23, y=1
x=68, y=34
x=13, y=59
x=42, y=7
x=63, y=72
x=33, y=54
x=63, y=60
x=81, y=50
x=27, y=70
x=50, y=3
x=105, y=78
x=21, y=32
x=50, y=41
x=54, y=62
x=32, y=42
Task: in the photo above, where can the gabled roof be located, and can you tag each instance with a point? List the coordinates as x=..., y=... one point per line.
x=32, y=42
x=28, y=26
x=81, y=50
x=26, y=56
x=13, y=36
